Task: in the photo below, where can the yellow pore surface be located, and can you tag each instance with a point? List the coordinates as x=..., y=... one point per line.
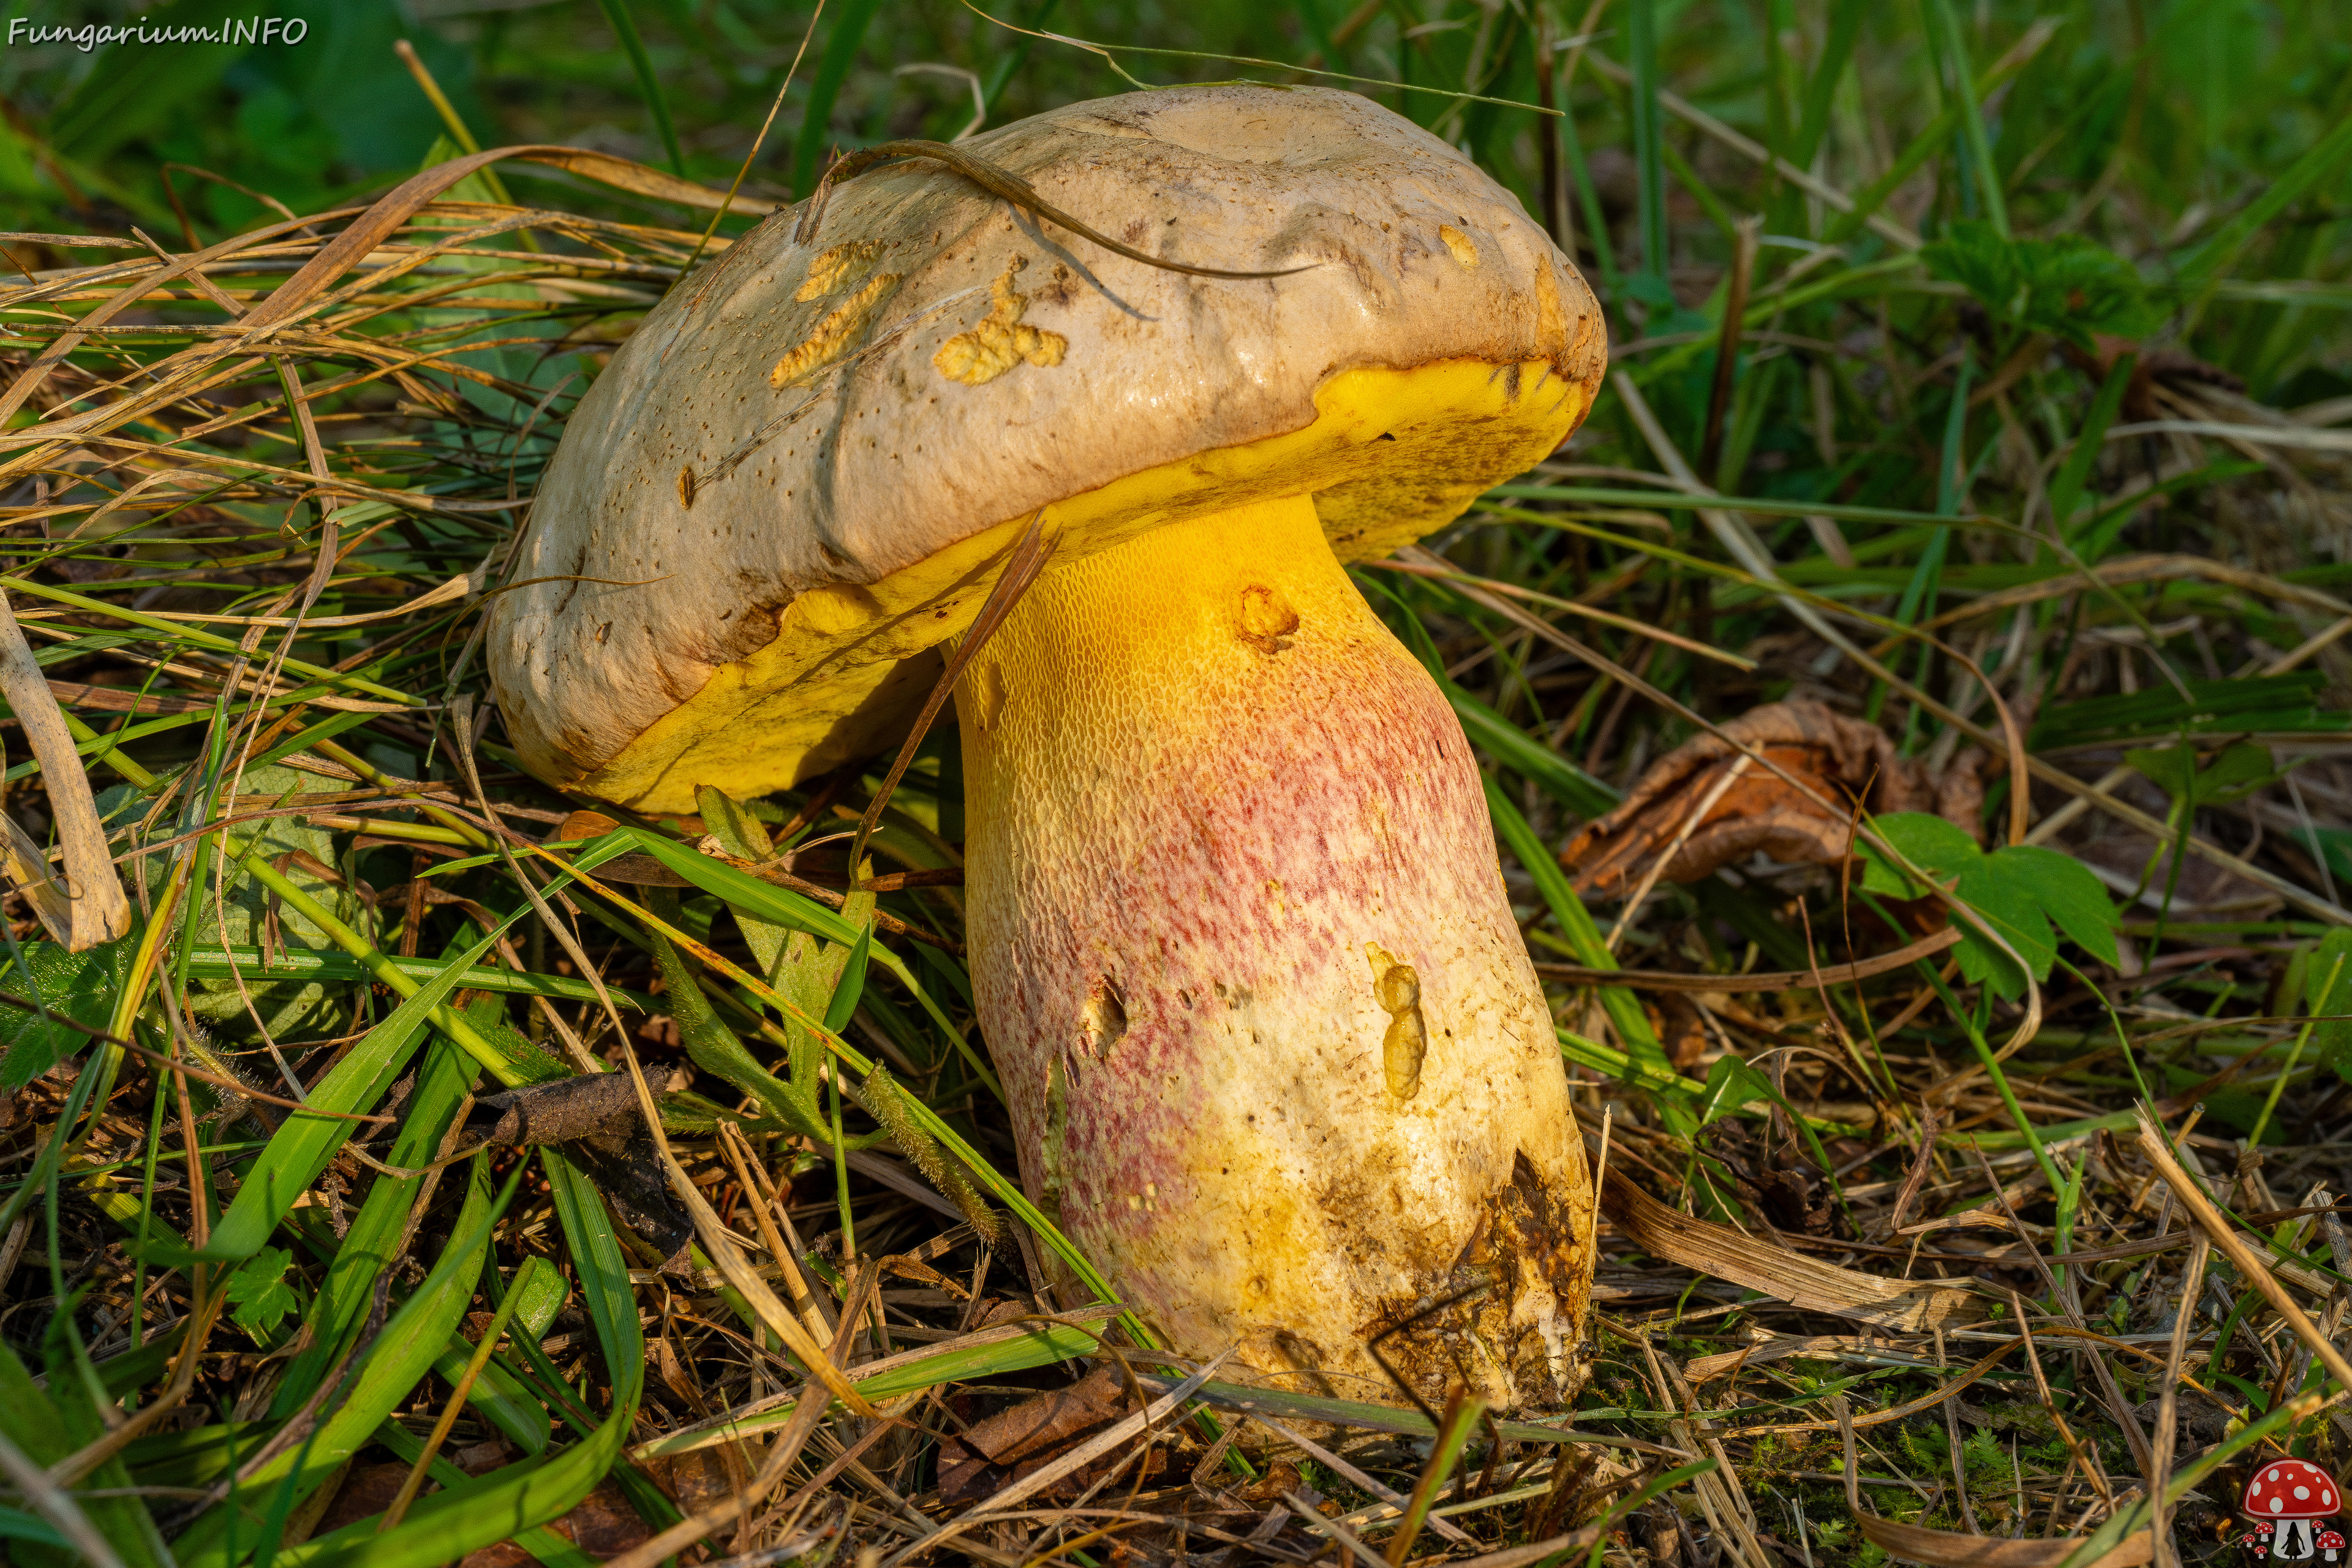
x=1391, y=455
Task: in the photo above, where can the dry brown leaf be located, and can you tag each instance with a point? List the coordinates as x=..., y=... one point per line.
x=975, y=1462
x=1727, y=1254
x=1756, y=810
x=1954, y=1549
x=581, y=824
x=604, y=1524
x=362, y=1492
x=1771, y=1348
x=2155, y=367
x=84, y=907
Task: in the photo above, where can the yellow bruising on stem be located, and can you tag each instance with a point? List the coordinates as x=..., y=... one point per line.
x=1396, y=986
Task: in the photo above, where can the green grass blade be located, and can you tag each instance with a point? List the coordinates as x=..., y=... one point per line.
x=17, y=1525
x=2067, y=490
x=1820, y=92
x=365, y=1251
x=1624, y=1009
x=1675, y=501
x=398, y=1359
x=497, y=1396
x=342, y=969
x=603, y=1277
x=450, y=1523
x=506, y=1055
x=1950, y=51
x=769, y=903
x=303, y=1144
x=2279, y=192
x=176, y=631
x=1521, y=752
x=625, y=29
x=553, y=1550
x=841, y=46
x=1595, y=231
x=852, y=984
x=1649, y=134
x=989, y=1355
x=48, y=1426
x=1454, y=1431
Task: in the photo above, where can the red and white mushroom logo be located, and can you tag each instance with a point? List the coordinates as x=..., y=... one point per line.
x=2331, y=1542
x=2285, y=1496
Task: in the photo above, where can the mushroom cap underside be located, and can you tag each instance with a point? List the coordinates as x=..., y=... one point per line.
x=798, y=479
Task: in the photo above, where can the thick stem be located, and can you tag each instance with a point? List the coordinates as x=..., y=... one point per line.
x=1275, y=1055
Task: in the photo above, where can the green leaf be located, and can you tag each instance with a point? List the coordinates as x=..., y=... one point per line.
x=1979, y=258
x=2068, y=893
x=1929, y=843
x=2010, y=911
x=263, y=1297
x=2195, y=782
x=744, y=837
x=135, y=89
x=2017, y=891
x=2325, y=989
x=2069, y=286
x=77, y=986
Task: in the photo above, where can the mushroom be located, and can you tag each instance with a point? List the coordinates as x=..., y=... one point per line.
x=1273, y=1052
x=2287, y=1495
x=2331, y=1542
